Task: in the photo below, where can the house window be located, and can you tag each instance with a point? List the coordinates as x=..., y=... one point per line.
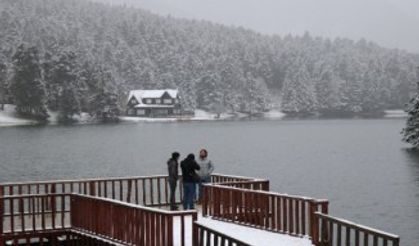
x=140, y=112
x=167, y=101
x=131, y=111
x=161, y=112
x=148, y=101
x=158, y=101
x=133, y=101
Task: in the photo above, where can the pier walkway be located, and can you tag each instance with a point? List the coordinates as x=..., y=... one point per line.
x=133, y=211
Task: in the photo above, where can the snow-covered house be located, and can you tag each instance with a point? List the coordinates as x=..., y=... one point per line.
x=153, y=103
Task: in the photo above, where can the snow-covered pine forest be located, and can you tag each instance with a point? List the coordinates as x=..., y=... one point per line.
x=84, y=57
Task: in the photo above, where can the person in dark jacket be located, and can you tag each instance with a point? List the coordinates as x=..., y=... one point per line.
x=190, y=178
x=172, y=166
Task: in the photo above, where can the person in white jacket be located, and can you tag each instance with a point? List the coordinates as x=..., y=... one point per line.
x=205, y=172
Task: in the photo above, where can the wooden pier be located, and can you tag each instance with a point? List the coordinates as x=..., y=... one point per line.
x=133, y=211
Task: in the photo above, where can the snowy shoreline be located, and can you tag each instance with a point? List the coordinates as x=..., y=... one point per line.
x=9, y=118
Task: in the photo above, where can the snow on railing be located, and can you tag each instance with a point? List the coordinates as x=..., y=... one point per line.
x=293, y=215
x=128, y=223
x=43, y=209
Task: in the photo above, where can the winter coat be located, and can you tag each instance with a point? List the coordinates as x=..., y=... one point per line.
x=188, y=167
x=172, y=167
x=206, y=168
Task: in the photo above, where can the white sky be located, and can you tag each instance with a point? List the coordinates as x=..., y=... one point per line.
x=390, y=23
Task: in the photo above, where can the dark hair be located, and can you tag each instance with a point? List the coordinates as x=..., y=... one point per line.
x=191, y=157
x=175, y=155
x=203, y=150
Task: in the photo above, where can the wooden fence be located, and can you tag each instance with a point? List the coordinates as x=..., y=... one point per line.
x=211, y=237
x=26, y=216
x=271, y=211
x=141, y=190
x=129, y=223
x=335, y=231
x=112, y=210
x=144, y=190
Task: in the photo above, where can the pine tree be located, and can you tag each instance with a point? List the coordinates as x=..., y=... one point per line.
x=411, y=131
x=103, y=103
x=327, y=92
x=63, y=85
x=298, y=96
x=27, y=86
x=68, y=104
x=3, y=84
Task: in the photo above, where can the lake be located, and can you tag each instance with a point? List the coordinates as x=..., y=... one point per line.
x=361, y=166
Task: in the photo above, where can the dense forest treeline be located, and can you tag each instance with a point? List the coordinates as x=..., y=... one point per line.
x=84, y=56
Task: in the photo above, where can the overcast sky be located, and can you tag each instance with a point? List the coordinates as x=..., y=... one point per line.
x=390, y=23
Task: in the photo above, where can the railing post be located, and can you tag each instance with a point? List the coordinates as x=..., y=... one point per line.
x=170, y=231
x=325, y=230
x=92, y=188
x=194, y=229
x=266, y=186
x=314, y=224
x=1, y=215
x=396, y=242
x=205, y=200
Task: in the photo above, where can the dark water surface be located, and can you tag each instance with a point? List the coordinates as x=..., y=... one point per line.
x=361, y=166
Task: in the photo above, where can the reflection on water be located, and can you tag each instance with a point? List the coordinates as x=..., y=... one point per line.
x=361, y=166
x=413, y=155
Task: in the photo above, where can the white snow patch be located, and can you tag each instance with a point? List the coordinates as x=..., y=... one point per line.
x=398, y=113
x=8, y=117
x=146, y=119
x=199, y=115
x=252, y=236
x=203, y=115
x=274, y=114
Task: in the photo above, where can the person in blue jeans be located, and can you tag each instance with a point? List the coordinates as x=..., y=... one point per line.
x=190, y=178
x=206, y=169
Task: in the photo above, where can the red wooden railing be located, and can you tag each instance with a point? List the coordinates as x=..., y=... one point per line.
x=335, y=231
x=111, y=211
x=128, y=223
x=142, y=190
x=25, y=215
x=266, y=210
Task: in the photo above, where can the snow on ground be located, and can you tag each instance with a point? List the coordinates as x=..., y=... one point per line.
x=274, y=114
x=398, y=113
x=8, y=117
x=252, y=236
x=200, y=115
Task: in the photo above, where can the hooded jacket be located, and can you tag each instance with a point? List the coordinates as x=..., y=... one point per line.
x=188, y=167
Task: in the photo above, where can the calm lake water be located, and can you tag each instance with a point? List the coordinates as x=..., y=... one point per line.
x=361, y=166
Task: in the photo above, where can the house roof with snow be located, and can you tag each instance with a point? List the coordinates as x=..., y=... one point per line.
x=142, y=94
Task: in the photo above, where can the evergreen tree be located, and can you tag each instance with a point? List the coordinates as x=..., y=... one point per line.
x=298, y=94
x=147, y=51
x=327, y=92
x=63, y=85
x=68, y=104
x=3, y=84
x=103, y=103
x=27, y=86
x=411, y=131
